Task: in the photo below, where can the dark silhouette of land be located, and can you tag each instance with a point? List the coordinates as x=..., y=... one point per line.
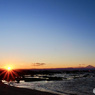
x=45, y=74
x=19, y=74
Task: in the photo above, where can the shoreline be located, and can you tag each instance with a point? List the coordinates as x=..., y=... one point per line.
x=11, y=90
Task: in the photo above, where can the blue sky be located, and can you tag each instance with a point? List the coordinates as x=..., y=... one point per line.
x=60, y=33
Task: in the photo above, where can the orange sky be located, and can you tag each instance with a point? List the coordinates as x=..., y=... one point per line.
x=55, y=64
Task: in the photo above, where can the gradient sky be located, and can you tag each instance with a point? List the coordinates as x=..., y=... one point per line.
x=59, y=33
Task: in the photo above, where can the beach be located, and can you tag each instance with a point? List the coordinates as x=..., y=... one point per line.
x=10, y=90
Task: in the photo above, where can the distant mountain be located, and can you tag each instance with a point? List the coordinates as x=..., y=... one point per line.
x=89, y=66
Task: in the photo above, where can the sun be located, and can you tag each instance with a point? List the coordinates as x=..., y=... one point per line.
x=8, y=73
x=9, y=68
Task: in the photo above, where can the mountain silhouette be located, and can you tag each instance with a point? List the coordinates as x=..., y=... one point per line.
x=89, y=66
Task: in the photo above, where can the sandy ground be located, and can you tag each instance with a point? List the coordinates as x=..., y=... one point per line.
x=10, y=90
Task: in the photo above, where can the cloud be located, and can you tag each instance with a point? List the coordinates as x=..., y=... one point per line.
x=38, y=64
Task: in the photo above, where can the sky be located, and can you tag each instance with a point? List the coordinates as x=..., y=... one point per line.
x=47, y=33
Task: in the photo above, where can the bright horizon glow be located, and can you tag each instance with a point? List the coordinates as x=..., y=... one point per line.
x=9, y=68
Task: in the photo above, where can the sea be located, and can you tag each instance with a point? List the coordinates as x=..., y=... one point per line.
x=71, y=84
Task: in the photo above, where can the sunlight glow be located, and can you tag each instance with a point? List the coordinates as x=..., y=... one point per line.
x=8, y=74
x=9, y=68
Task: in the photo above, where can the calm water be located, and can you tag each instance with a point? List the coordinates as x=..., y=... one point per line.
x=73, y=85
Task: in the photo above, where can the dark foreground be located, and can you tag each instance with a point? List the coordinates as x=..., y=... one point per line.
x=10, y=90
